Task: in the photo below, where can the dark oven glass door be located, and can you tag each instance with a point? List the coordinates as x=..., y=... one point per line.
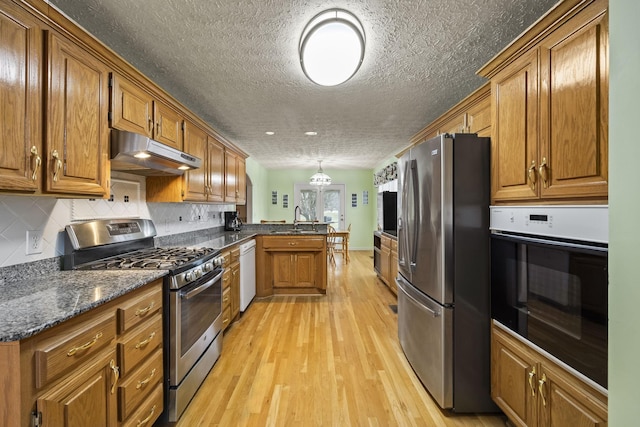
x=195, y=321
x=555, y=295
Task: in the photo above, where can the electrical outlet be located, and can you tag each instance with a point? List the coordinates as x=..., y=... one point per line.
x=34, y=242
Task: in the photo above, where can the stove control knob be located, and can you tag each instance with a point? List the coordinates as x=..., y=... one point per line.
x=198, y=273
x=208, y=267
x=188, y=277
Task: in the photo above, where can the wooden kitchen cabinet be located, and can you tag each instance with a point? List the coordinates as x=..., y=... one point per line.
x=385, y=258
x=471, y=115
x=291, y=264
x=230, y=285
x=235, y=181
x=203, y=184
x=136, y=110
x=98, y=368
x=534, y=390
x=21, y=107
x=86, y=399
x=76, y=155
x=550, y=108
x=394, y=267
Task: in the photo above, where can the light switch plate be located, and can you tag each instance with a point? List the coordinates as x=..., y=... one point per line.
x=34, y=242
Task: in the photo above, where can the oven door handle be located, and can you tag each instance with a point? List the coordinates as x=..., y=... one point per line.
x=192, y=293
x=548, y=242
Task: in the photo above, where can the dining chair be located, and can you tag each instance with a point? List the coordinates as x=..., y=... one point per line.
x=331, y=244
x=342, y=244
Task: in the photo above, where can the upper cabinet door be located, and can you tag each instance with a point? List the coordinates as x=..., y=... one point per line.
x=230, y=178
x=168, y=125
x=514, y=143
x=131, y=107
x=574, y=86
x=195, y=143
x=241, y=182
x=77, y=140
x=20, y=100
x=216, y=170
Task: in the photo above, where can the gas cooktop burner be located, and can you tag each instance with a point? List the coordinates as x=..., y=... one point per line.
x=152, y=258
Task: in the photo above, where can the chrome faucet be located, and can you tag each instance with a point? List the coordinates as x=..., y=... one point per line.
x=295, y=216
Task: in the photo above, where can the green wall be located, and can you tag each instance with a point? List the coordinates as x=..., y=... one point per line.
x=624, y=211
x=362, y=218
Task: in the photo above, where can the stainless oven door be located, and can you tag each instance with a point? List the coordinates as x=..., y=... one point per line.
x=195, y=320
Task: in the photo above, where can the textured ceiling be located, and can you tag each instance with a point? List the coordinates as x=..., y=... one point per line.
x=235, y=64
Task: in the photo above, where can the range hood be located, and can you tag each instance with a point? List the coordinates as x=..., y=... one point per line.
x=134, y=153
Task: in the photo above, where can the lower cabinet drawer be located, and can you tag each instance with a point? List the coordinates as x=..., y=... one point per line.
x=138, y=385
x=226, y=316
x=149, y=411
x=139, y=343
x=63, y=352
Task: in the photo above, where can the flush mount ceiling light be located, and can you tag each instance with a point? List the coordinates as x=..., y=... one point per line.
x=332, y=47
x=320, y=178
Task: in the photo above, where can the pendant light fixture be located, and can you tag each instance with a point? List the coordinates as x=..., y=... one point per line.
x=332, y=47
x=320, y=178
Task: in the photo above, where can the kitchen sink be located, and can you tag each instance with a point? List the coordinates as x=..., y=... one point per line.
x=294, y=231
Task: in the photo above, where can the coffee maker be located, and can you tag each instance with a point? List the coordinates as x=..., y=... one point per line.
x=231, y=221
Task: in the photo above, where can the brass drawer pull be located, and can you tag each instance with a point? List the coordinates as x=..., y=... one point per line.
x=146, y=380
x=293, y=243
x=145, y=342
x=542, y=170
x=532, y=175
x=146, y=420
x=143, y=311
x=85, y=346
x=58, y=165
x=116, y=375
x=34, y=152
x=541, y=389
x=532, y=375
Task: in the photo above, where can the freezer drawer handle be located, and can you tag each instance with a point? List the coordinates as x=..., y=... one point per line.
x=435, y=313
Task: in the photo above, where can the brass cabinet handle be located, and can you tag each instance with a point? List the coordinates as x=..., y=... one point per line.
x=145, y=381
x=58, y=165
x=146, y=420
x=143, y=311
x=293, y=243
x=532, y=375
x=38, y=161
x=542, y=170
x=541, y=389
x=145, y=342
x=149, y=124
x=532, y=175
x=85, y=346
x=116, y=375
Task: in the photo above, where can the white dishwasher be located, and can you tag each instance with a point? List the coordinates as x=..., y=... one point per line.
x=247, y=273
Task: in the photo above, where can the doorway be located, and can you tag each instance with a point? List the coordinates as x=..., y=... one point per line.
x=321, y=203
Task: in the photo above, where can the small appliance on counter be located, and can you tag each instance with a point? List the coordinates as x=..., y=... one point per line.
x=231, y=221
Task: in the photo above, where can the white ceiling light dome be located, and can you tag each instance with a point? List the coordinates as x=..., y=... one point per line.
x=332, y=47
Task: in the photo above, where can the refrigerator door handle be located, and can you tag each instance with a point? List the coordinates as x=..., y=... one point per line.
x=401, y=285
x=416, y=213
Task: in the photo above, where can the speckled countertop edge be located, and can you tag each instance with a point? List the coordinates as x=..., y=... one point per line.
x=30, y=306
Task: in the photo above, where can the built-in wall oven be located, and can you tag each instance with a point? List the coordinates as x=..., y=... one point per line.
x=549, y=281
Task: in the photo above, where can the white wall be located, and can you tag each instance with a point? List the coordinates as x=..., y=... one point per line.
x=21, y=213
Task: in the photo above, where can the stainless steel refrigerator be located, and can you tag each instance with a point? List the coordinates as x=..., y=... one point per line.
x=443, y=269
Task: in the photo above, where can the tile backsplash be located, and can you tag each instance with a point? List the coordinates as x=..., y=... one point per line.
x=19, y=214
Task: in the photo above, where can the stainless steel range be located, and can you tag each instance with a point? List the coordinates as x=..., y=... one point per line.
x=192, y=295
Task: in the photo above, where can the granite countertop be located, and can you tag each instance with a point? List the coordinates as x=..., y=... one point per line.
x=47, y=298
x=32, y=305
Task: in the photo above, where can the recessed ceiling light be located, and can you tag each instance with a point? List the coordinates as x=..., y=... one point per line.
x=311, y=133
x=270, y=133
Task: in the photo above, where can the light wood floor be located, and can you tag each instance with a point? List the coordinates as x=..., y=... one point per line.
x=331, y=360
